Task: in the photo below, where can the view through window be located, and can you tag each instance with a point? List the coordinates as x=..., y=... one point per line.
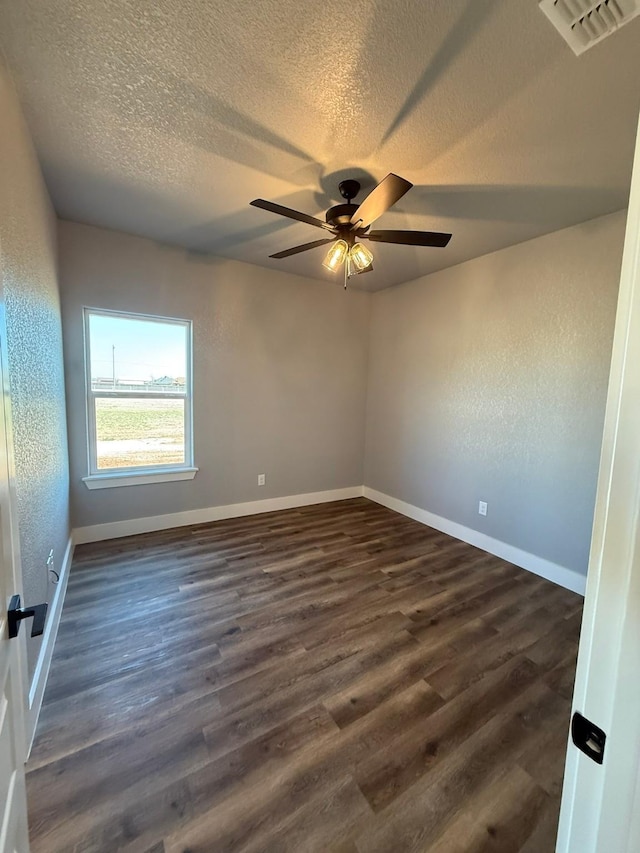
x=139, y=395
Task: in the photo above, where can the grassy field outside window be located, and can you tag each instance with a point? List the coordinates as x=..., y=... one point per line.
x=139, y=432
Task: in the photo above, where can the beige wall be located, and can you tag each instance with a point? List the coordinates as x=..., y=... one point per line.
x=279, y=372
x=487, y=382
x=34, y=343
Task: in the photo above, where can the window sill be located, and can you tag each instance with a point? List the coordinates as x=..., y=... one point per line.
x=139, y=478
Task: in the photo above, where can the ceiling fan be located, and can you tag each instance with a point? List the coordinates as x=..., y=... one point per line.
x=349, y=223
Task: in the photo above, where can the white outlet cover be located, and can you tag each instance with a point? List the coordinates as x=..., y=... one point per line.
x=482, y=507
x=262, y=479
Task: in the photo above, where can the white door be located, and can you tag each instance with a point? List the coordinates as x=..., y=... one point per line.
x=13, y=807
x=601, y=803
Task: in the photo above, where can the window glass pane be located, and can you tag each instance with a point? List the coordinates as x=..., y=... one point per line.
x=137, y=432
x=137, y=355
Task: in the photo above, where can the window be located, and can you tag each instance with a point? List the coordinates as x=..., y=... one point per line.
x=138, y=371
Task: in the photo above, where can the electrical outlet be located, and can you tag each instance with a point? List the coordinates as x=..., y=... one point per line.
x=482, y=507
x=262, y=479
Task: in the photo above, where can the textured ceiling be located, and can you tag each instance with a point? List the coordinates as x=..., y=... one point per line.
x=166, y=117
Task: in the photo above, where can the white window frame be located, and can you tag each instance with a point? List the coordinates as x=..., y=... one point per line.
x=107, y=478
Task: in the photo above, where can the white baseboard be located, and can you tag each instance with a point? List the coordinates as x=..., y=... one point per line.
x=133, y=526
x=560, y=575
x=41, y=672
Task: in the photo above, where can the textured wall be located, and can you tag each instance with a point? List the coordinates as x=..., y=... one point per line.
x=279, y=372
x=34, y=341
x=488, y=382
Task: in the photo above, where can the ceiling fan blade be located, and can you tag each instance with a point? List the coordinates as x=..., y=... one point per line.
x=272, y=207
x=410, y=238
x=303, y=248
x=381, y=198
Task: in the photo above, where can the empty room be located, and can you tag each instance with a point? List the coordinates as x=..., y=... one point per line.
x=319, y=346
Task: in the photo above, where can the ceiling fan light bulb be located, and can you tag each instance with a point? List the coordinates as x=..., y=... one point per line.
x=336, y=255
x=360, y=257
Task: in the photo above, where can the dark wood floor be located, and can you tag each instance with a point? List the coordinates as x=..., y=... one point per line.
x=335, y=678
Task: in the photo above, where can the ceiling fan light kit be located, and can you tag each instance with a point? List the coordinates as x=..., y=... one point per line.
x=336, y=255
x=356, y=257
x=360, y=257
x=351, y=222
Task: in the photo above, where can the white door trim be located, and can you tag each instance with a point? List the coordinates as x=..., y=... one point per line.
x=13, y=669
x=597, y=813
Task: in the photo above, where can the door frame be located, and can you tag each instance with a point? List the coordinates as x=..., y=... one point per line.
x=601, y=803
x=11, y=565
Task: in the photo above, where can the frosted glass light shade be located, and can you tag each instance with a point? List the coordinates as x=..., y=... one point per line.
x=336, y=255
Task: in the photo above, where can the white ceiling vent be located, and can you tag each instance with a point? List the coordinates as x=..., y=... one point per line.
x=582, y=23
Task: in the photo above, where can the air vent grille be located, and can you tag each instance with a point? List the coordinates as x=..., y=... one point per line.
x=582, y=23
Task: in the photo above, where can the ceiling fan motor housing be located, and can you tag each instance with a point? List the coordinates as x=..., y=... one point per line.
x=340, y=214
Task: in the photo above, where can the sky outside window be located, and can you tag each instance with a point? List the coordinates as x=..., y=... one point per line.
x=139, y=349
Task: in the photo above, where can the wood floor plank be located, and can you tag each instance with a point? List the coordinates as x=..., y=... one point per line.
x=381, y=681
x=501, y=817
x=561, y=677
x=544, y=759
x=120, y=704
x=385, y=776
x=336, y=678
x=456, y=675
x=413, y=821
x=294, y=765
x=543, y=836
x=322, y=819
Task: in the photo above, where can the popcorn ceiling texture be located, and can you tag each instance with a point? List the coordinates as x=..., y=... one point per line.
x=34, y=342
x=164, y=119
